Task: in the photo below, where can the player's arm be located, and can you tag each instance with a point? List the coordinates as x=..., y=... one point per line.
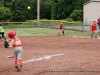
x=11, y=43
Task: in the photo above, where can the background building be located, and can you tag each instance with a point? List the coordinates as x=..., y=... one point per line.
x=91, y=11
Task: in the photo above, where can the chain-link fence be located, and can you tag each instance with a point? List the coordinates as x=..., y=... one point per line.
x=83, y=26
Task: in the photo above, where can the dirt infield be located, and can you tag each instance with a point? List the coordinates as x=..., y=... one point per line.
x=52, y=55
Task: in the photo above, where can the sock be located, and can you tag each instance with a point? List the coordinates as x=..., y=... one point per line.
x=20, y=61
x=15, y=63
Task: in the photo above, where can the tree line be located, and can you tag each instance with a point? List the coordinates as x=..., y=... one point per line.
x=16, y=10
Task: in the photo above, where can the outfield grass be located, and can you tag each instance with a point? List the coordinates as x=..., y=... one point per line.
x=44, y=32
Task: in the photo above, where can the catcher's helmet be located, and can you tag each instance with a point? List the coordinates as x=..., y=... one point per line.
x=11, y=33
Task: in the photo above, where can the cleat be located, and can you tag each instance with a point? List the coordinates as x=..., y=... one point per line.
x=21, y=66
x=17, y=68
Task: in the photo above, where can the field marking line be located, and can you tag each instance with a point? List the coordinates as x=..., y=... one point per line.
x=43, y=58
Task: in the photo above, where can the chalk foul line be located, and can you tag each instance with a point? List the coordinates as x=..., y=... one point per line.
x=42, y=58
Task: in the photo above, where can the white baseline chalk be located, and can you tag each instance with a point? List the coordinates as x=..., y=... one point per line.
x=42, y=58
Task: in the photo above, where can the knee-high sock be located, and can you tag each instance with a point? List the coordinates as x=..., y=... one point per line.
x=20, y=61
x=15, y=63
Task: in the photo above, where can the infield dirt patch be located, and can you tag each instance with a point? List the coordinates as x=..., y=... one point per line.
x=52, y=55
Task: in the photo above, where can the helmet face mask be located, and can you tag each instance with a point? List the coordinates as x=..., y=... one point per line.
x=11, y=34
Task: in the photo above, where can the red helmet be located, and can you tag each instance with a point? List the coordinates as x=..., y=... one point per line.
x=11, y=33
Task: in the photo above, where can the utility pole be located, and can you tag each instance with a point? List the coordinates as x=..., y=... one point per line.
x=38, y=13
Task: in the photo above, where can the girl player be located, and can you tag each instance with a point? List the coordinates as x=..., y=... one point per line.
x=16, y=44
x=61, y=29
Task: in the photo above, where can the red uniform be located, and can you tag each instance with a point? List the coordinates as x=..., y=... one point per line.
x=61, y=26
x=94, y=29
x=93, y=26
x=17, y=42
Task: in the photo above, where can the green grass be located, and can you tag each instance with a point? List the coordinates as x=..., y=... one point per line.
x=44, y=32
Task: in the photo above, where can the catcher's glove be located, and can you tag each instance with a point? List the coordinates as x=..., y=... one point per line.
x=6, y=44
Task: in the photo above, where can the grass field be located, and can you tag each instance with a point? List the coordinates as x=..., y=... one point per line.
x=44, y=32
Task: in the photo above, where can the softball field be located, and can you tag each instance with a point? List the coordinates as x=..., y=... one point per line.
x=53, y=55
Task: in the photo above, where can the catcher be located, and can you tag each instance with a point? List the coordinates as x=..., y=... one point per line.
x=16, y=44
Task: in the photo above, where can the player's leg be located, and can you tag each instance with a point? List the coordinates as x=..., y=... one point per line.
x=0, y=36
x=63, y=32
x=96, y=34
x=58, y=32
x=92, y=34
x=20, y=57
x=16, y=59
x=3, y=35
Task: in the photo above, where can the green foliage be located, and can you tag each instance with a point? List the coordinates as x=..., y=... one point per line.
x=49, y=9
x=61, y=8
x=19, y=10
x=69, y=19
x=78, y=4
x=45, y=7
x=76, y=15
x=1, y=3
x=5, y=14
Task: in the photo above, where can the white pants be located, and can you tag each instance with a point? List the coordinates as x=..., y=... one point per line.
x=17, y=53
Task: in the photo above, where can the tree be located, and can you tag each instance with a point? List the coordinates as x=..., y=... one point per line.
x=1, y=3
x=49, y=9
x=78, y=4
x=76, y=15
x=5, y=14
x=61, y=9
x=45, y=9
x=7, y=3
x=18, y=10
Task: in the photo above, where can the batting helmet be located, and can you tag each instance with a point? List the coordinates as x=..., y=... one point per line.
x=11, y=33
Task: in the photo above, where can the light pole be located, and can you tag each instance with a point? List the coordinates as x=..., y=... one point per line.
x=38, y=13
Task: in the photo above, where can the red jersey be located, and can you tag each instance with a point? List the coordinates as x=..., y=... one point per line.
x=17, y=42
x=61, y=26
x=93, y=26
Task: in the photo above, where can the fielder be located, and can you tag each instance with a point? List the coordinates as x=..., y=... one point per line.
x=61, y=29
x=16, y=44
x=94, y=29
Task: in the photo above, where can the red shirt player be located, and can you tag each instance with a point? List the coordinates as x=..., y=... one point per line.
x=61, y=29
x=94, y=29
